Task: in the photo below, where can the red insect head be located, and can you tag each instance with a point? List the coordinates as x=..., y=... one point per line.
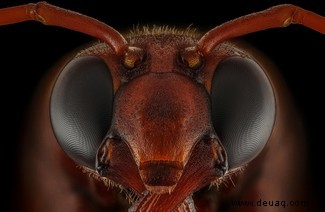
x=155, y=121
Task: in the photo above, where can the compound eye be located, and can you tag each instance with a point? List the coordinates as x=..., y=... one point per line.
x=81, y=108
x=243, y=108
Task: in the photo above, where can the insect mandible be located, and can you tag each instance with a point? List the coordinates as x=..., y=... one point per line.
x=161, y=113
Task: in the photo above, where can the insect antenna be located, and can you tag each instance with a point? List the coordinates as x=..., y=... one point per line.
x=274, y=17
x=55, y=16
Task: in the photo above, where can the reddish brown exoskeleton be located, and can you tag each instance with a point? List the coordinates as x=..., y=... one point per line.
x=162, y=114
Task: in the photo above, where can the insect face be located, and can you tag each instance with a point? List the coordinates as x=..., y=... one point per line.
x=156, y=118
x=162, y=112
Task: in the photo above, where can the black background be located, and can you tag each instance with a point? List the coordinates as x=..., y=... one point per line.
x=28, y=50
